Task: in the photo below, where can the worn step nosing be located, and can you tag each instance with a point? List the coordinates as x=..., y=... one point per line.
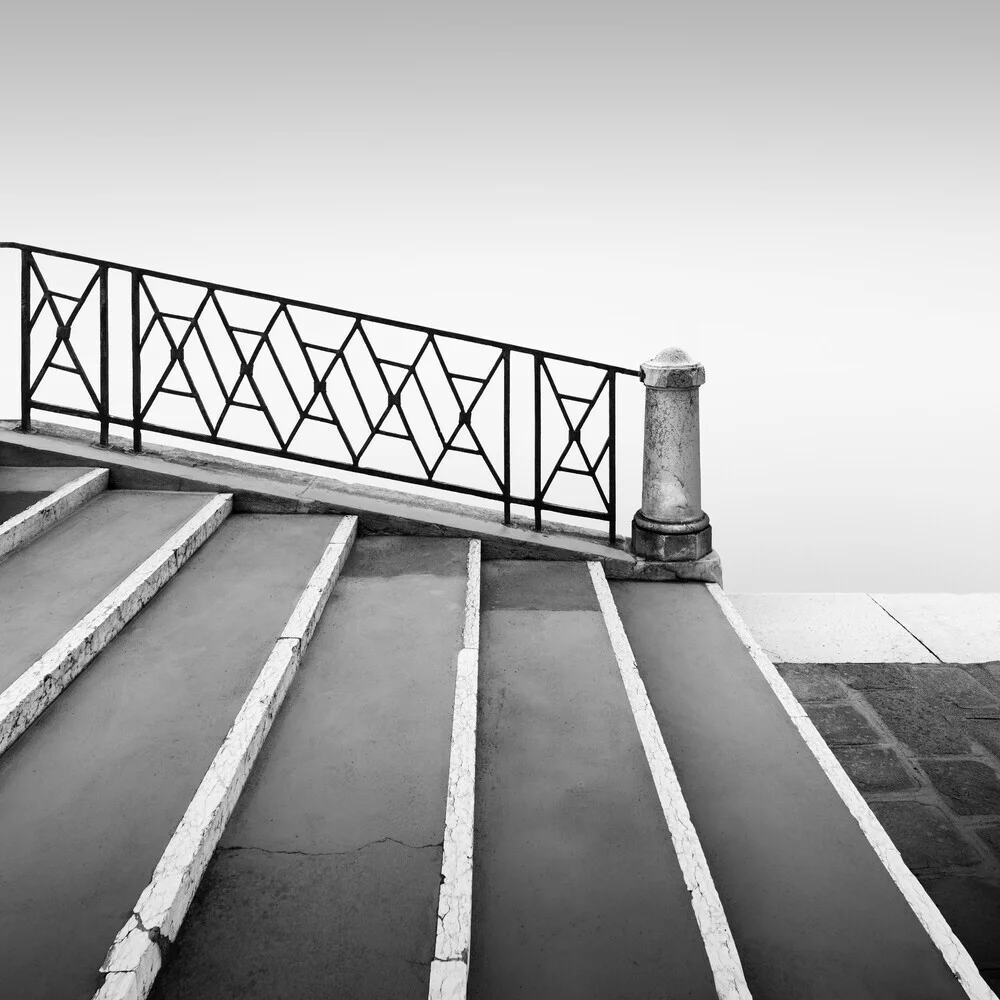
x=26, y=526
x=938, y=929
x=31, y=693
x=713, y=924
x=135, y=957
x=449, y=973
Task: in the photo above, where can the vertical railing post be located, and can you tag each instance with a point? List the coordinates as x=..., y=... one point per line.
x=612, y=464
x=136, y=368
x=105, y=390
x=25, y=341
x=671, y=526
x=506, y=435
x=538, y=442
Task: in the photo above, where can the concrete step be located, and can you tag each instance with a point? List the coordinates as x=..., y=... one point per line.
x=814, y=910
x=90, y=795
x=21, y=486
x=577, y=890
x=34, y=499
x=326, y=880
x=48, y=586
x=67, y=594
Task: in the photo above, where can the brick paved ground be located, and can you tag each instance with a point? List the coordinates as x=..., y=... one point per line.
x=922, y=744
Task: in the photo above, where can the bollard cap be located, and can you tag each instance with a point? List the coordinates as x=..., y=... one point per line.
x=672, y=368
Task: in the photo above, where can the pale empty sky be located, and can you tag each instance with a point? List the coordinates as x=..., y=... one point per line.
x=802, y=195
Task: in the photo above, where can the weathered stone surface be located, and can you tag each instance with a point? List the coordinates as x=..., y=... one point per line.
x=705, y=570
x=972, y=907
x=926, y=838
x=649, y=543
x=672, y=368
x=960, y=628
x=875, y=769
x=671, y=462
x=952, y=685
x=918, y=723
x=991, y=835
x=875, y=676
x=971, y=788
x=812, y=682
x=988, y=674
x=843, y=725
x=827, y=628
x=985, y=731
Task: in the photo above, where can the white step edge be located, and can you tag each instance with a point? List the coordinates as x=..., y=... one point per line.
x=450, y=967
x=22, y=528
x=952, y=950
x=135, y=957
x=28, y=696
x=720, y=947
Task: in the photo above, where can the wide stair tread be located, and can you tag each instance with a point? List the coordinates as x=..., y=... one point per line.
x=91, y=794
x=50, y=584
x=576, y=890
x=813, y=911
x=23, y=486
x=326, y=879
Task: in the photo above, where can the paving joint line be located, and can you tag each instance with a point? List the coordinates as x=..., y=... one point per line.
x=905, y=629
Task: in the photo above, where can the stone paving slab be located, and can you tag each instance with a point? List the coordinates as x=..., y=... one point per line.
x=925, y=836
x=990, y=835
x=971, y=787
x=933, y=780
x=875, y=769
x=811, y=684
x=955, y=687
x=875, y=676
x=843, y=725
x=986, y=732
x=959, y=628
x=918, y=722
x=828, y=628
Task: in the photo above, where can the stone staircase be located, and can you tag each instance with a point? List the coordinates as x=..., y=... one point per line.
x=249, y=754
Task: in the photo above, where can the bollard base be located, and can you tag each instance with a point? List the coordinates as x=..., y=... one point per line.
x=707, y=570
x=664, y=542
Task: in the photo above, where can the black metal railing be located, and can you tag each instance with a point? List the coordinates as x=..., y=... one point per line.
x=317, y=384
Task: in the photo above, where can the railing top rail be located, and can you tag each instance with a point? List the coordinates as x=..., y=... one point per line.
x=302, y=303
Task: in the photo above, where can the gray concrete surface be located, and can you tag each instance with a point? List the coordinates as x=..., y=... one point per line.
x=14, y=501
x=813, y=911
x=932, y=778
x=326, y=880
x=90, y=795
x=50, y=584
x=38, y=479
x=22, y=486
x=576, y=888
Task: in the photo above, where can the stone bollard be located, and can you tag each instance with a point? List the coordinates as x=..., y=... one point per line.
x=671, y=526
